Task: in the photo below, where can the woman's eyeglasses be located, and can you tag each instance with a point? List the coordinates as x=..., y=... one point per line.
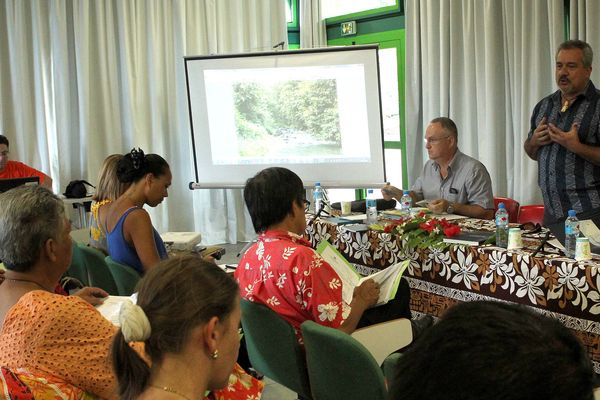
x=306, y=204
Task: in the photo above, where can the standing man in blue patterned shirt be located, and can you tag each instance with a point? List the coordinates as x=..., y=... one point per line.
x=565, y=139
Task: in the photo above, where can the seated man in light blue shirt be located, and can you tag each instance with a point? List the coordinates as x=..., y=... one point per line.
x=451, y=181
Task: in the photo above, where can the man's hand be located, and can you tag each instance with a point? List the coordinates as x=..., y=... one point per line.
x=92, y=295
x=568, y=140
x=367, y=294
x=438, y=206
x=541, y=134
x=540, y=137
x=390, y=192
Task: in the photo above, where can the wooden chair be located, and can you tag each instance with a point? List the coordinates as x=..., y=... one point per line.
x=512, y=206
x=274, y=349
x=531, y=213
x=339, y=367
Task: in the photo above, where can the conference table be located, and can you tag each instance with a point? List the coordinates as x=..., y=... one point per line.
x=549, y=282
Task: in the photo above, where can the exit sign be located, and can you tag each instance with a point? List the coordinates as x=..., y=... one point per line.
x=348, y=28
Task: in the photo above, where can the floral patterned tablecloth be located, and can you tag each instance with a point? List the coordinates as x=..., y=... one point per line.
x=549, y=282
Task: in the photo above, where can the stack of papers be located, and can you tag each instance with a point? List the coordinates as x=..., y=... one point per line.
x=111, y=307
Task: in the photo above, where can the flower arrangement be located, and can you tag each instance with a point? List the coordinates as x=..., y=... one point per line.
x=422, y=230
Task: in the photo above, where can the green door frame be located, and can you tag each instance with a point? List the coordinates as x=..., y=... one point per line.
x=388, y=39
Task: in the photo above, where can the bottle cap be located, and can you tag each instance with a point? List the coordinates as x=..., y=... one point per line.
x=572, y=213
x=317, y=183
x=501, y=205
x=406, y=192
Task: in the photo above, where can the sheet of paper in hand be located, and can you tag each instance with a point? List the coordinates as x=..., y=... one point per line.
x=388, y=279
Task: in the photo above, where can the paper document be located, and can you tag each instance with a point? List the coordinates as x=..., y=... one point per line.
x=590, y=230
x=449, y=217
x=356, y=217
x=397, y=334
x=557, y=244
x=388, y=279
x=112, y=305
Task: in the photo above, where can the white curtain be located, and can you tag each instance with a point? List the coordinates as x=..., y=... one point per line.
x=312, y=26
x=485, y=64
x=583, y=24
x=81, y=79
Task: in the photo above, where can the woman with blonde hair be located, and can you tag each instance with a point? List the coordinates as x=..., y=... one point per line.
x=109, y=189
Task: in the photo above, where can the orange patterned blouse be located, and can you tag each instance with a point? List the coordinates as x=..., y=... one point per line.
x=63, y=336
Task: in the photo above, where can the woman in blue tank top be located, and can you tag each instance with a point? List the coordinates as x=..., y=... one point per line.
x=131, y=238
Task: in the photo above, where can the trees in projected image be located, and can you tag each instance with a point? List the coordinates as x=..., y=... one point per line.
x=292, y=117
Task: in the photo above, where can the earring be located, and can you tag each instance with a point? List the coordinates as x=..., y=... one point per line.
x=215, y=354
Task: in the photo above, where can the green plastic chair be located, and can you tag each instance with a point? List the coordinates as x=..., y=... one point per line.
x=339, y=367
x=88, y=266
x=125, y=276
x=273, y=348
x=78, y=268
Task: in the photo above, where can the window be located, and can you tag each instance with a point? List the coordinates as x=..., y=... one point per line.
x=334, y=8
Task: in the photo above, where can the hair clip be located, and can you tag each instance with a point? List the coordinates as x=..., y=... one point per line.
x=137, y=158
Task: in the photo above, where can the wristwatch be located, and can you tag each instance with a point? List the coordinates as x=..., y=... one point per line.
x=450, y=209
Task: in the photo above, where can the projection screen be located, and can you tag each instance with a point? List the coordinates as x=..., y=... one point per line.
x=316, y=112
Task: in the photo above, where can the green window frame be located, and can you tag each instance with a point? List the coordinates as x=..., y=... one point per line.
x=388, y=39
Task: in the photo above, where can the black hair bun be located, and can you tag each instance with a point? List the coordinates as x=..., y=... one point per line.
x=132, y=166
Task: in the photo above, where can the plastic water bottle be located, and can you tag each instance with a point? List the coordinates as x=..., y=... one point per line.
x=571, y=234
x=405, y=202
x=501, y=226
x=371, y=207
x=318, y=196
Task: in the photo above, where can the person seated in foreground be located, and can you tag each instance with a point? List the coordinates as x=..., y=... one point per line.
x=54, y=345
x=48, y=342
x=284, y=273
x=14, y=169
x=451, y=181
x=187, y=315
x=492, y=350
x=108, y=189
x=131, y=238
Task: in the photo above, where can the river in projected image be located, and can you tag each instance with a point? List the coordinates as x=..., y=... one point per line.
x=287, y=118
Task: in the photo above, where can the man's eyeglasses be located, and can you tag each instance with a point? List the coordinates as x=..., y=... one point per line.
x=306, y=204
x=435, y=140
x=4, y=153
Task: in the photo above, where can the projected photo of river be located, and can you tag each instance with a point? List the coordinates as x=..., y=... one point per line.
x=287, y=118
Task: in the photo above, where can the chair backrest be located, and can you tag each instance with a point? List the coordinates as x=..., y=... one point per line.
x=339, y=367
x=78, y=268
x=531, y=213
x=89, y=267
x=126, y=278
x=273, y=347
x=512, y=206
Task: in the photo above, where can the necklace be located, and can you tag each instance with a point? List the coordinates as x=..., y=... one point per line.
x=567, y=102
x=171, y=390
x=27, y=280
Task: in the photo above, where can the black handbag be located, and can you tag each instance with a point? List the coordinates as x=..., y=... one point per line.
x=76, y=189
